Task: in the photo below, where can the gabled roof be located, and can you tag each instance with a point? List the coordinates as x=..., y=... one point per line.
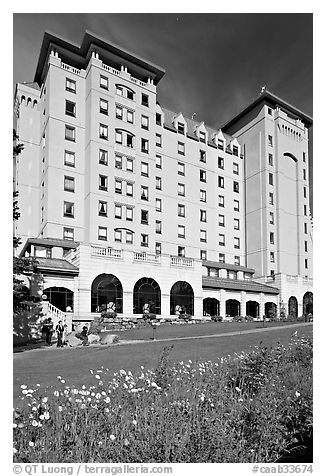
x=243, y=285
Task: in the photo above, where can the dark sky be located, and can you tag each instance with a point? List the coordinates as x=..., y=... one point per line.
x=215, y=63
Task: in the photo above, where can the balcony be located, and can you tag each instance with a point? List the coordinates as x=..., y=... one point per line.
x=106, y=252
x=147, y=257
x=181, y=262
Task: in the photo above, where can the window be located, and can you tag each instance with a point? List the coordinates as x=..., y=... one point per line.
x=158, y=183
x=270, y=141
x=271, y=198
x=68, y=234
x=220, y=163
x=129, y=237
x=203, y=255
x=221, y=200
x=236, y=205
x=236, y=187
x=144, y=122
x=145, y=146
x=306, y=263
x=102, y=209
x=158, y=140
x=129, y=164
x=158, y=248
x=129, y=189
x=68, y=209
x=125, y=92
x=202, y=175
x=202, y=156
x=118, y=112
x=202, y=215
x=202, y=136
x=237, y=260
x=220, y=181
x=269, y=110
x=69, y=184
x=181, y=128
x=271, y=238
x=70, y=133
x=235, y=168
x=158, y=204
x=118, y=186
x=144, y=169
x=270, y=159
x=159, y=161
x=305, y=228
x=118, y=137
x=130, y=116
x=158, y=227
x=181, y=231
x=104, y=107
x=181, y=251
x=305, y=192
x=235, y=150
x=181, y=210
x=181, y=148
x=306, y=245
x=70, y=85
x=181, y=168
x=103, y=157
x=118, y=211
x=103, y=182
x=104, y=132
x=124, y=138
x=130, y=94
x=158, y=119
x=236, y=242
x=304, y=172
x=144, y=193
x=104, y=82
x=118, y=236
x=69, y=158
x=270, y=179
x=203, y=236
x=221, y=258
x=71, y=108
x=181, y=189
x=305, y=210
x=271, y=218
x=118, y=162
x=144, y=100
x=304, y=156
x=272, y=257
x=221, y=239
x=220, y=144
x=129, y=213
x=202, y=195
x=232, y=274
x=236, y=224
x=143, y=240
x=221, y=220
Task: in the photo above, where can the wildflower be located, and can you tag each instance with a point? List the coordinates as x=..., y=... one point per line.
x=63, y=381
x=14, y=425
x=98, y=377
x=60, y=408
x=112, y=438
x=34, y=423
x=107, y=400
x=20, y=425
x=23, y=386
x=14, y=450
x=56, y=393
x=46, y=415
x=24, y=392
x=31, y=443
x=45, y=399
x=297, y=394
x=238, y=389
x=126, y=442
x=134, y=422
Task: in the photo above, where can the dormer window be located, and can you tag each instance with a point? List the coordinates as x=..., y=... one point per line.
x=220, y=144
x=181, y=128
x=202, y=136
x=235, y=150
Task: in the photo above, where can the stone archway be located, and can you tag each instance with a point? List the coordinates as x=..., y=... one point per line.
x=307, y=303
x=252, y=309
x=147, y=293
x=181, y=298
x=232, y=307
x=106, y=289
x=270, y=310
x=293, y=307
x=211, y=307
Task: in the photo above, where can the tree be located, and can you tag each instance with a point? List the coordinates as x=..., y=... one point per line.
x=21, y=266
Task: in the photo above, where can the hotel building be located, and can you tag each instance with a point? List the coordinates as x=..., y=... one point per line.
x=123, y=201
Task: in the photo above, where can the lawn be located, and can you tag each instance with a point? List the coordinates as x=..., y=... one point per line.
x=42, y=366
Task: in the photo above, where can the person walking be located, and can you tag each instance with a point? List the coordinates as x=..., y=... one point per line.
x=49, y=331
x=60, y=330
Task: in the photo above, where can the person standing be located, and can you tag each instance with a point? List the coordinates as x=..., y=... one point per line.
x=49, y=331
x=60, y=330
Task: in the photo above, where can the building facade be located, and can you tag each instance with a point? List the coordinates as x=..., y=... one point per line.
x=126, y=203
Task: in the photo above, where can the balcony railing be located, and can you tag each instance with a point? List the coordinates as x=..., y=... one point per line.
x=70, y=68
x=107, y=252
x=111, y=70
x=183, y=262
x=147, y=257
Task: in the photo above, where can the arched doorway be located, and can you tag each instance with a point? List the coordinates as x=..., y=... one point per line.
x=270, y=310
x=211, y=307
x=182, y=295
x=147, y=291
x=307, y=303
x=293, y=307
x=232, y=308
x=252, y=309
x=60, y=297
x=106, y=288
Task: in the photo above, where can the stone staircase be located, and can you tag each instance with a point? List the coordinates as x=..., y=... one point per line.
x=48, y=310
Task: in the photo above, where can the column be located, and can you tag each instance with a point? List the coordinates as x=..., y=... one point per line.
x=261, y=306
x=243, y=304
x=198, y=307
x=128, y=305
x=222, y=304
x=165, y=305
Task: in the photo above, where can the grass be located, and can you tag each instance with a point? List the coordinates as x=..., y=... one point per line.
x=248, y=407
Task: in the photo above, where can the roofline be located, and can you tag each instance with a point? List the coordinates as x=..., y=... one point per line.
x=82, y=50
x=273, y=100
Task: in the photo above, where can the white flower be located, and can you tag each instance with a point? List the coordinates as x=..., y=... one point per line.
x=112, y=438
x=30, y=443
x=134, y=422
x=23, y=386
x=98, y=377
x=45, y=399
x=46, y=415
x=42, y=417
x=14, y=425
x=34, y=423
x=25, y=392
x=238, y=389
x=60, y=408
x=14, y=450
x=56, y=393
x=107, y=400
x=297, y=394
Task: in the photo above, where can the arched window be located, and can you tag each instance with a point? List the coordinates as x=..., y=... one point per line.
x=181, y=298
x=252, y=309
x=270, y=310
x=106, y=289
x=147, y=296
x=232, y=308
x=23, y=99
x=307, y=303
x=293, y=307
x=60, y=297
x=34, y=103
x=211, y=307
